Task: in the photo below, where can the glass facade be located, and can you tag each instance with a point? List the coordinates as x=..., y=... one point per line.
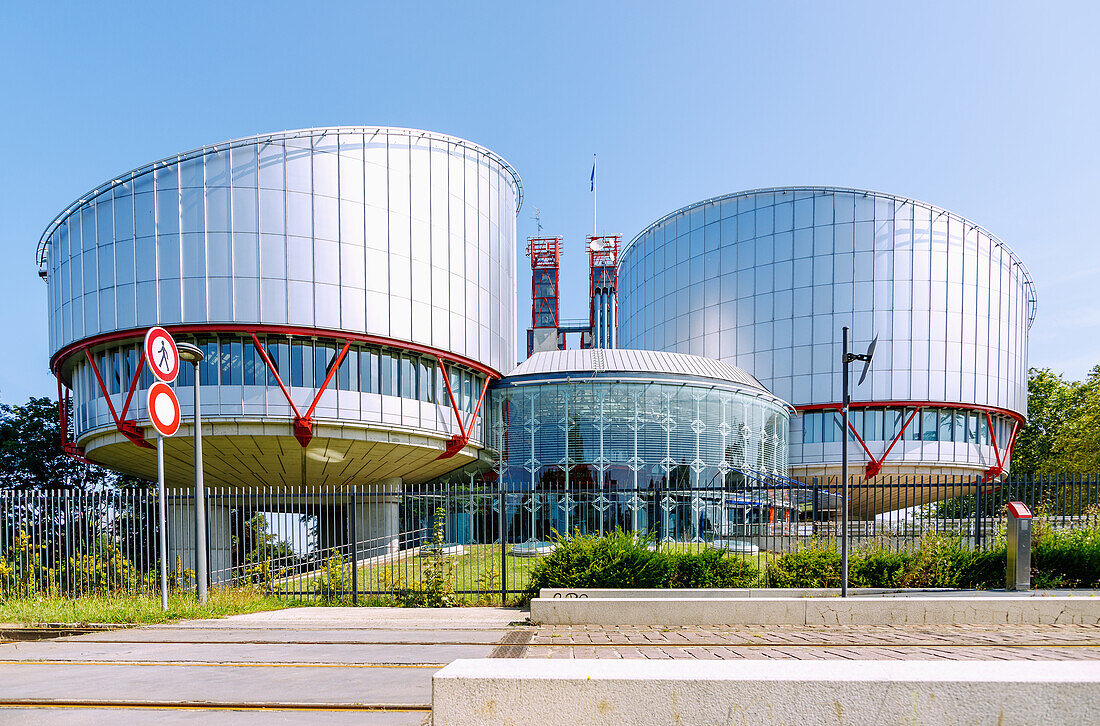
x=766, y=279
x=397, y=234
x=644, y=456
x=372, y=383
x=608, y=434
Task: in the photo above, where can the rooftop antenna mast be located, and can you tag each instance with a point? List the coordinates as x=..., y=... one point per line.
x=538, y=221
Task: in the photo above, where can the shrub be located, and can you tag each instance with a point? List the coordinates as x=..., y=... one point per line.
x=333, y=584
x=711, y=568
x=814, y=566
x=1067, y=557
x=621, y=560
x=877, y=566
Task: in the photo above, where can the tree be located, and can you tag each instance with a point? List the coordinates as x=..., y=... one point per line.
x=1062, y=435
x=31, y=455
x=1077, y=446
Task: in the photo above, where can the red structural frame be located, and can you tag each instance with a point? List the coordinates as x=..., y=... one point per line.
x=303, y=423
x=874, y=464
x=603, y=275
x=545, y=254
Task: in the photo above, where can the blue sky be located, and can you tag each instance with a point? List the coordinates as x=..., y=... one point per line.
x=987, y=109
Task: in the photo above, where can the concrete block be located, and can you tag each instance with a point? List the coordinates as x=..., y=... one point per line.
x=497, y=691
x=721, y=592
x=948, y=610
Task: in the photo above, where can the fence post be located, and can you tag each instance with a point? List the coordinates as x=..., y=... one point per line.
x=813, y=506
x=978, y=516
x=354, y=547
x=503, y=552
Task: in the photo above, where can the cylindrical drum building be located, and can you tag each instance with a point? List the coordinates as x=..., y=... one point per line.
x=766, y=279
x=352, y=290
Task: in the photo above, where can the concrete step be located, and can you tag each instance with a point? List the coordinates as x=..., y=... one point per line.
x=817, y=612
x=489, y=692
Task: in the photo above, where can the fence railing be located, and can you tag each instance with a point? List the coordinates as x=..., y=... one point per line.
x=475, y=541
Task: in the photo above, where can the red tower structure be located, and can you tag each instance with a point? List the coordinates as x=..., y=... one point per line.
x=545, y=254
x=603, y=276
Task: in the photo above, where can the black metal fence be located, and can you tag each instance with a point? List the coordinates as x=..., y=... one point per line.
x=471, y=541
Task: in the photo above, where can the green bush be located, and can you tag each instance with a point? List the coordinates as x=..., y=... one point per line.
x=711, y=568
x=877, y=566
x=622, y=560
x=1065, y=558
x=814, y=566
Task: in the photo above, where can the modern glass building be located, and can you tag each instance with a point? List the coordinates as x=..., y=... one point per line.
x=766, y=279
x=352, y=288
x=633, y=438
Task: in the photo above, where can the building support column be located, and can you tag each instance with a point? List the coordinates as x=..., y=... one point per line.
x=378, y=518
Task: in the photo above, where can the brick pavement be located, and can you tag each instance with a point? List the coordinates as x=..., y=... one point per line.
x=950, y=642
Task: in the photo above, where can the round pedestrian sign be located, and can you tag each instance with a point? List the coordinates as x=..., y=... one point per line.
x=161, y=354
x=164, y=409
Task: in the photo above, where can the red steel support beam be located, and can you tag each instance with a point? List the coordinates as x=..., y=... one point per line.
x=994, y=472
x=303, y=425
x=459, y=441
x=454, y=404
x=133, y=383
x=136, y=334
x=875, y=466
x=129, y=429
x=67, y=447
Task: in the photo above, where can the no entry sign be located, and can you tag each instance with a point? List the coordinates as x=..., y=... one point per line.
x=164, y=409
x=162, y=355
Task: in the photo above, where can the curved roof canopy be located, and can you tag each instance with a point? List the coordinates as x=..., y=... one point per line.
x=623, y=364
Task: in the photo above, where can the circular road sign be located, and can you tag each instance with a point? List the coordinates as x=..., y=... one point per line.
x=164, y=409
x=162, y=355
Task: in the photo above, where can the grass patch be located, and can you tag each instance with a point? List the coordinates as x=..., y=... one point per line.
x=135, y=609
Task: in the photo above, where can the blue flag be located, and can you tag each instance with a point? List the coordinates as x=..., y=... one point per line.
x=592, y=181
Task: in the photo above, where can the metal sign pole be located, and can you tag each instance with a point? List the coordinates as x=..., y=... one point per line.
x=162, y=525
x=844, y=474
x=201, y=575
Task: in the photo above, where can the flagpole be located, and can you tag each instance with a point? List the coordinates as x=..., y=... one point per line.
x=593, y=195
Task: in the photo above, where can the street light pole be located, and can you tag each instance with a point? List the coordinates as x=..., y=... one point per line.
x=844, y=474
x=194, y=355
x=845, y=400
x=162, y=526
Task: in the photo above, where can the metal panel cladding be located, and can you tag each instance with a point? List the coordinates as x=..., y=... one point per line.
x=765, y=280
x=361, y=268
x=398, y=233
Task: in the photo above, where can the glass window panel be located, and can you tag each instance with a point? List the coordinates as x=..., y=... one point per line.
x=408, y=377
x=947, y=426
x=209, y=369
x=930, y=425
x=252, y=362
x=388, y=373
x=324, y=355
x=368, y=371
